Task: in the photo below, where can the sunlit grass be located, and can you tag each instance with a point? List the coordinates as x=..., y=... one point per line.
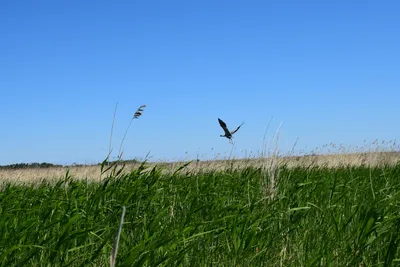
x=92, y=172
x=345, y=216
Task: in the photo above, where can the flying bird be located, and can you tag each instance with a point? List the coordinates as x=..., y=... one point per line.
x=227, y=134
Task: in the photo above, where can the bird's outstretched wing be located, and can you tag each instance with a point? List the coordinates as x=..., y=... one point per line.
x=223, y=125
x=234, y=131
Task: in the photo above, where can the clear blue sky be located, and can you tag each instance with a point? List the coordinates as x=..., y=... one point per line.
x=329, y=70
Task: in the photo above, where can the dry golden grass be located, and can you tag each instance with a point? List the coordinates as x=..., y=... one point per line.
x=55, y=173
x=92, y=172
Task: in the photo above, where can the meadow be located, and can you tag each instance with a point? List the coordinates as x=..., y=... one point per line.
x=239, y=214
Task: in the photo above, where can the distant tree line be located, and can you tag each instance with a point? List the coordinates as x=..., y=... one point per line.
x=29, y=165
x=44, y=165
x=127, y=161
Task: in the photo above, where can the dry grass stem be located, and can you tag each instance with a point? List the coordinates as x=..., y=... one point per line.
x=137, y=114
x=113, y=256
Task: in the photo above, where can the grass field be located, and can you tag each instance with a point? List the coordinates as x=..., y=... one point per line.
x=310, y=216
x=93, y=173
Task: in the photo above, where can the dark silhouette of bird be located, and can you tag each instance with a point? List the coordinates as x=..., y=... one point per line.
x=227, y=134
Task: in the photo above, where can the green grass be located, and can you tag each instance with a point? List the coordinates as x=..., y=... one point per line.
x=319, y=217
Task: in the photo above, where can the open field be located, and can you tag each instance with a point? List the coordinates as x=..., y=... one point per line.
x=93, y=173
x=227, y=215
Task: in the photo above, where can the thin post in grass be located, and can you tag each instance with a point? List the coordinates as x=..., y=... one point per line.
x=113, y=256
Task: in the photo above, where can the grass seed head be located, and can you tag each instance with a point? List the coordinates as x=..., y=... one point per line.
x=138, y=112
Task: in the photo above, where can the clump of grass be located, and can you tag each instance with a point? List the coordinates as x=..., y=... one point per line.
x=270, y=165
